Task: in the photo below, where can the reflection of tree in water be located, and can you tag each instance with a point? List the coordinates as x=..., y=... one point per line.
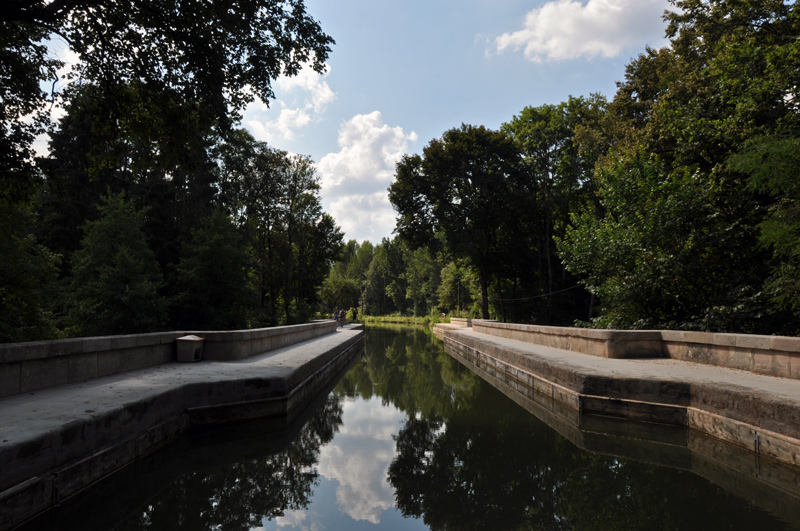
x=607, y=493
x=238, y=496
x=479, y=468
x=409, y=369
x=468, y=458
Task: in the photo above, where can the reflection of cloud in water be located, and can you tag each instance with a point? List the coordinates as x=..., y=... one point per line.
x=359, y=456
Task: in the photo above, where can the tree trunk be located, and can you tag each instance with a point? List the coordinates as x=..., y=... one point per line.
x=484, y=295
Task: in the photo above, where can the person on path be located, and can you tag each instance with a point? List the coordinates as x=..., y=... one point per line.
x=336, y=316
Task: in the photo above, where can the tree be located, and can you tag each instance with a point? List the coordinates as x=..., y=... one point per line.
x=210, y=280
x=320, y=243
x=339, y=292
x=560, y=145
x=312, y=238
x=158, y=154
x=460, y=188
x=687, y=125
x=27, y=272
x=383, y=270
x=25, y=63
x=346, y=281
x=218, y=55
x=755, y=69
x=458, y=287
x=116, y=278
x=423, y=278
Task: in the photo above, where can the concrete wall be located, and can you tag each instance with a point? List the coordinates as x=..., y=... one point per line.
x=34, y=365
x=46, y=462
x=603, y=343
x=772, y=355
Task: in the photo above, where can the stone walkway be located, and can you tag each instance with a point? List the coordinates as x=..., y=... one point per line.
x=55, y=441
x=751, y=410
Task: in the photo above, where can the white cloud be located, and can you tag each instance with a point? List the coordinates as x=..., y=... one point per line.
x=310, y=82
x=569, y=29
x=283, y=127
x=296, y=519
x=354, y=179
x=303, y=98
x=364, y=216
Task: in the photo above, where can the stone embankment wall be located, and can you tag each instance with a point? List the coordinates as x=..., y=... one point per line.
x=771, y=355
x=679, y=378
x=58, y=441
x=35, y=365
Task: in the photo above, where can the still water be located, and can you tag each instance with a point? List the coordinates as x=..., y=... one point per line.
x=411, y=439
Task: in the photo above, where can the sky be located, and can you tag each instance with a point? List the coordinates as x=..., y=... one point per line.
x=403, y=73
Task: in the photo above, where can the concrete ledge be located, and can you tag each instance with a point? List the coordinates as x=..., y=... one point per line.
x=603, y=343
x=62, y=440
x=241, y=344
x=27, y=367
x=752, y=412
x=764, y=482
x=772, y=355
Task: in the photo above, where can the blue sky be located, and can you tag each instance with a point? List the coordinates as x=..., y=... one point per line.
x=402, y=73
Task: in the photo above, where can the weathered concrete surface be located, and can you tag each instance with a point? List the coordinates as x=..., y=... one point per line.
x=761, y=481
x=753, y=411
x=35, y=365
x=105, y=503
x=772, y=355
x=603, y=343
x=56, y=441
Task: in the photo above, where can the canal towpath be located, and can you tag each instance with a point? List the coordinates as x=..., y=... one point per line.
x=56, y=441
x=753, y=411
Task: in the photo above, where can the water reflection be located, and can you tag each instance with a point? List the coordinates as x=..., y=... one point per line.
x=412, y=439
x=358, y=458
x=244, y=493
x=469, y=458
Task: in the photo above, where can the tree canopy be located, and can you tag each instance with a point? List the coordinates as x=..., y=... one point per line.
x=696, y=131
x=149, y=195
x=460, y=188
x=217, y=55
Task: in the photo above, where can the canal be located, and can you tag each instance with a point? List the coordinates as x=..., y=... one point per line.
x=411, y=439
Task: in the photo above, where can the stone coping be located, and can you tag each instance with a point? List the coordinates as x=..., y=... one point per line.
x=756, y=412
x=36, y=350
x=603, y=343
x=771, y=355
x=31, y=366
x=590, y=333
x=31, y=350
x=729, y=466
x=781, y=343
x=784, y=343
x=58, y=441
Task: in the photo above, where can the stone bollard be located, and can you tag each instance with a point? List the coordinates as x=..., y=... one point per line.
x=190, y=348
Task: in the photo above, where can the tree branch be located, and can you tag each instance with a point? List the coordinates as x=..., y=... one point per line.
x=36, y=12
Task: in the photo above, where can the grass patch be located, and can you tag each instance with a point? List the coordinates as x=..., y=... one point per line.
x=426, y=320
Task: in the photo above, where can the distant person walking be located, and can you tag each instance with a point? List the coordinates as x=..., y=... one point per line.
x=336, y=316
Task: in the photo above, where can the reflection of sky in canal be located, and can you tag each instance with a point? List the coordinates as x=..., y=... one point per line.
x=353, y=492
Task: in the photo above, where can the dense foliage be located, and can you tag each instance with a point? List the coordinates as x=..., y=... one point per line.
x=674, y=205
x=152, y=210
x=695, y=209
